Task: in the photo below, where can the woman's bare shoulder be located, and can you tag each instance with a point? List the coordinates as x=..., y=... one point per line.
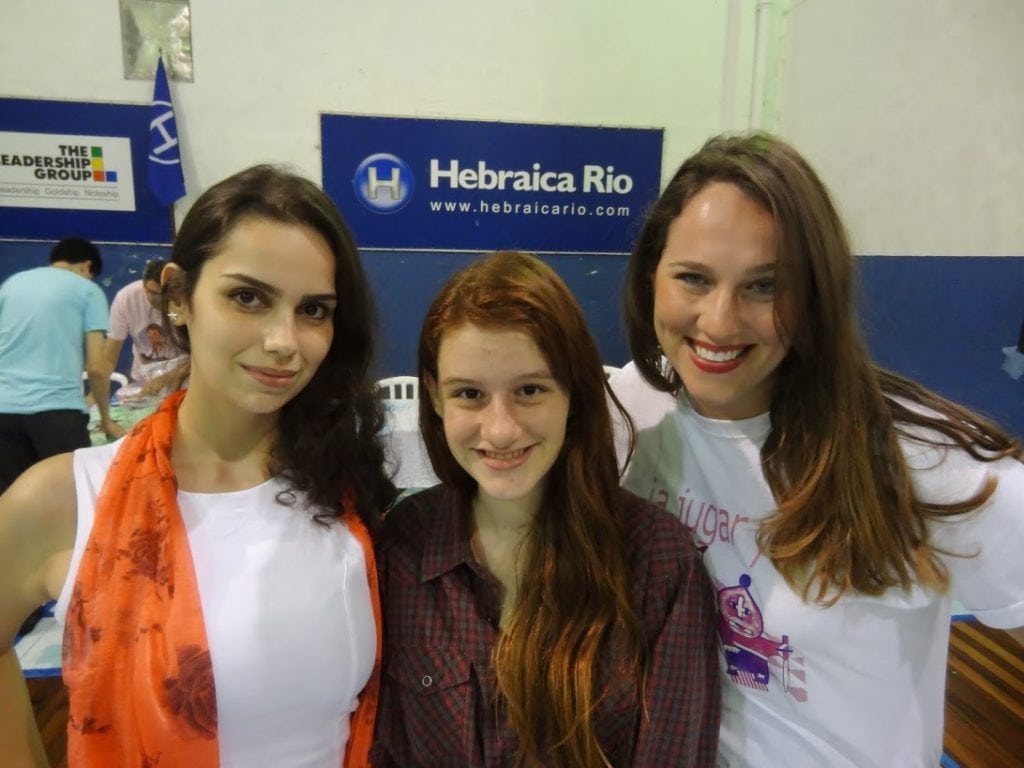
x=38, y=516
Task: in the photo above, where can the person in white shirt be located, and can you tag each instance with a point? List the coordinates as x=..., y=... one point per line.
x=157, y=362
x=841, y=507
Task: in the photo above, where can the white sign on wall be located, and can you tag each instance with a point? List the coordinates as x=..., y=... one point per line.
x=43, y=170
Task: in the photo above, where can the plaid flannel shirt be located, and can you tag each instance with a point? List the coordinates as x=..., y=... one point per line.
x=439, y=701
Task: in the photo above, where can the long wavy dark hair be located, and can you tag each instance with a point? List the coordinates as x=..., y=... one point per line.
x=327, y=436
x=847, y=516
x=574, y=593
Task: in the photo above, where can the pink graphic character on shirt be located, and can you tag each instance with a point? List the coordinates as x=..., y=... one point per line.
x=749, y=652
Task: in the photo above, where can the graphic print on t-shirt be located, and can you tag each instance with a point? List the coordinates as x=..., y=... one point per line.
x=749, y=652
x=157, y=343
x=727, y=540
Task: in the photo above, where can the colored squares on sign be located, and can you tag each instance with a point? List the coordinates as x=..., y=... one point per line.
x=96, y=163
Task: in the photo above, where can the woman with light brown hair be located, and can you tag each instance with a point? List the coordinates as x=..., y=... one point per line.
x=535, y=613
x=841, y=507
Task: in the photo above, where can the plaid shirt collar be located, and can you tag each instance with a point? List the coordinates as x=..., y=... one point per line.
x=448, y=546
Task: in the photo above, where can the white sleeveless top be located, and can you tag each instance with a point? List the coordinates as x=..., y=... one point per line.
x=288, y=617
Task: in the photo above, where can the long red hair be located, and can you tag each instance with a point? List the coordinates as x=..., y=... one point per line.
x=573, y=605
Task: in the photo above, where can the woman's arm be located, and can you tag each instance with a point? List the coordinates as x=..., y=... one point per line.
x=37, y=533
x=981, y=549
x=683, y=695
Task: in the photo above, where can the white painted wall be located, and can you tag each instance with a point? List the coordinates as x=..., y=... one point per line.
x=913, y=113
x=264, y=69
x=910, y=109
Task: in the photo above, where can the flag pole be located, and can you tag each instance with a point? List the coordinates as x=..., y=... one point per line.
x=159, y=61
x=165, y=174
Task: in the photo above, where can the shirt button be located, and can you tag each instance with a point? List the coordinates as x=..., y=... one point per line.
x=427, y=681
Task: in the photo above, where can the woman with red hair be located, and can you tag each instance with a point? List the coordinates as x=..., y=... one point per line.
x=536, y=614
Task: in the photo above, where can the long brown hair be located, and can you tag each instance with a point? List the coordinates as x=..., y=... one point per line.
x=847, y=516
x=573, y=603
x=327, y=440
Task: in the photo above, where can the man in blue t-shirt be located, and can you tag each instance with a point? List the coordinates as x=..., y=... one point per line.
x=52, y=325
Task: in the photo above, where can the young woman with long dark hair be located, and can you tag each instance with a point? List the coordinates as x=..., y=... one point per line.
x=214, y=568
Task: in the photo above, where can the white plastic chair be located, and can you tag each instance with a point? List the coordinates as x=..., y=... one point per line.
x=610, y=370
x=399, y=388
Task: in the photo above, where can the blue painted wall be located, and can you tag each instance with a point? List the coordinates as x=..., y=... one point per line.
x=405, y=283
x=943, y=321
x=940, y=320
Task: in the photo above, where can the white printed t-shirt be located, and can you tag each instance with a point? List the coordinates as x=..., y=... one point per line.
x=131, y=315
x=286, y=605
x=860, y=683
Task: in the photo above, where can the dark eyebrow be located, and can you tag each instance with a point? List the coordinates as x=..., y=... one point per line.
x=542, y=375
x=762, y=269
x=456, y=380
x=273, y=291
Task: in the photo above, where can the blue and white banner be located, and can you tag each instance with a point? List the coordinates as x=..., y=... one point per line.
x=45, y=170
x=165, y=178
x=77, y=167
x=437, y=185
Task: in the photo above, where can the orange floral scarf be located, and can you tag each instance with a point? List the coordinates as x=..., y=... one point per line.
x=136, y=658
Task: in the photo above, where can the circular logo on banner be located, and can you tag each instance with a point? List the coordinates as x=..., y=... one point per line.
x=383, y=183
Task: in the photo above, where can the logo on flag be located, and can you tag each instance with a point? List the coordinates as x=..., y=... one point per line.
x=166, y=181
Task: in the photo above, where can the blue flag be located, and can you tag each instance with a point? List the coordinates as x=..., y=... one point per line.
x=166, y=181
